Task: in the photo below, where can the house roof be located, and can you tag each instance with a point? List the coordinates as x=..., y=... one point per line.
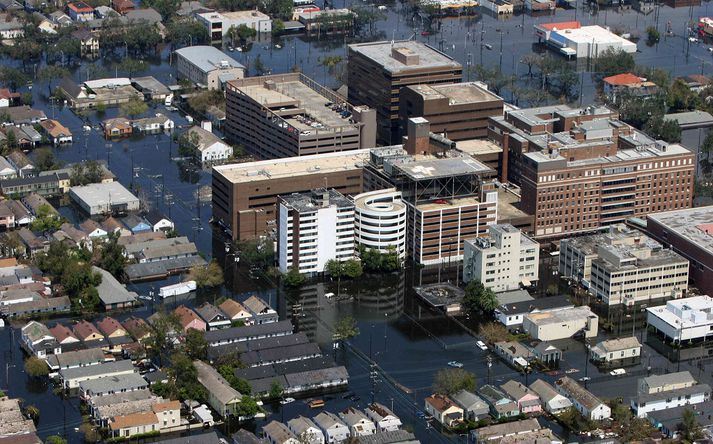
x=109, y=326
x=110, y=224
x=208, y=312
x=352, y=416
x=467, y=400
x=625, y=79
x=80, y=7
x=132, y=420
x=36, y=331
x=55, y=129
x=243, y=436
x=83, y=329
x=683, y=377
x=544, y=390
x=186, y=315
x=61, y=333
x=137, y=327
x=278, y=432
x=98, y=370
x=239, y=333
x=327, y=420
x=670, y=394
x=439, y=402
x=511, y=428
x=166, y=406
x=576, y=391
x=379, y=411
x=112, y=291
x=516, y=390
x=618, y=344
x=257, y=305
x=155, y=217
x=207, y=58
x=128, y=382
x=545, y=303
x=215, y=383
x=300, y=425
x=231, y=307
x=205, y=138
x=77, y=357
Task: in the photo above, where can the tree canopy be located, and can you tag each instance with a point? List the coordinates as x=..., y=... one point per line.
x=207, y=276
x=478, y=298
x=452, y=380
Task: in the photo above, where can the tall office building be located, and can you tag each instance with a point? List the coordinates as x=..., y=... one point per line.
x=288, y=115
x=378, y=70
x=314, y=228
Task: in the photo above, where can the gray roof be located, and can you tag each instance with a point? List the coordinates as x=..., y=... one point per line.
x=77, y=357
x=579, y=393
x=118, y=398
x=112, y=291
x=243, y=436
x=468, y=400
x=327, y=419
x=389, y=437
x=516, y=390
x=148, y=14
x=116, y=384
x=241, y=333
x=516, y=427
x=694, y=389
x=150, y=84
x=203, y=438
x=112, y=193
x=428, y=57
x=208, y=312
x=544, y=390
x=669, y=378
x=105, y=368
x=278, y=432
x=207, y=58
x=300, y=425
x=691, y=118
x=162, y=268
x=313, y=377
x=281, y=353
x=215, y=383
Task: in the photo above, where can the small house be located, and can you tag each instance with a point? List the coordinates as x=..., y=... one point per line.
x=443, y=410
x=527, y=400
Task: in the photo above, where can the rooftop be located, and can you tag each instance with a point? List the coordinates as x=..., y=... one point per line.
x=692, y=224
x=208, y=58
x=576, y=391
x=314, y=200
x=427, y=56
x=112, y=291
x=670, y=394
x=663, y=380
x=102, y=194
x=457, y=93
x=561, y=316
x=293, y=166
x=618, y=344
x=439, y=168
x=106, y=368
x=215, y=383
x=685, y=313
x=131, y=381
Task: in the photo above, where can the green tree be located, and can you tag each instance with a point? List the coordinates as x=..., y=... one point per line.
x=346, y=328
x=256, y=253
x=132, y=66
x=243, y=32
x=112, y=257
x=452, y=380
x=663, y=129
x=614, y=61
x=293, y=278
x=167, y=8
x=86, y=172
x=185, y=31
x=493, y=332
x=196, y=346
x=164, y=325
x=12, y=78
x=207, y=276
x=276, y=390
x=260, y=68
x=133, y=108
x=36, y=367
x=652, y=36
x=184, y=376
x=352, y=268
x=680, y=96
x=51, y=73
x=707, y=144
x=55, y=439
x=278, y=27
x=247, y=408
x=478, y=298
x=46, y=220
x=334, y=268
x=33, y=413
x=690, y=427
x=45, y=160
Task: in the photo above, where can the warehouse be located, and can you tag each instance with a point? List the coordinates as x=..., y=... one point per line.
x=104, y=198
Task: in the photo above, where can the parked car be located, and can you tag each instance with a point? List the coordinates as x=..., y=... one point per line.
x=481, y=345
x=287, y=401
x=455, y=364
x=617, y=372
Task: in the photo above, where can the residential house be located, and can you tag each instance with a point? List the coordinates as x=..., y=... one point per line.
x=59, y=18
x=122, y=6
x=33, y=244
x=669, y=421
x=86, y=332
x=552, y=401
x=696, y=82
x=235, y=311
x=109, y=386
x=136, y=224
x=112, y=293
x=262, y=313
x=221, y=396
x=125, y=426
x=159, y=222
x=41, y=305
x=21, y=163
x=474, y=407
x=207, y=147
x=80, y=11
x=359, y=424
x=8, y=98
x=156, y=124
x=248, y=333
x=332, y=427
x=616, y=352
x=37, y=340
x=547, y=354
x=630, y=84
x=72, y=377
x=64, y=337
x=117, y=127
x=511, y=432
x=12, y=5
x=7, y=217
x=443, y=409
x=511, y=314
x=514, y=353
x=92, y=229
x=189, y=319
x=56, y=132
x=583, y=400
x=649, y=402
x=243, y=436
x=38, y=204
x=385, y=419
x=7, y=171
x=27, y=136
x=10, y=28
x=213, y=317
x=305, y=430
x=88, y=42
x=111, y=328
x=75, y=359
x=137, y=328
x=168, y=413
x=278, y=433
x=102, y=12
x=526, y=399
x=22, y=115
x=75, y=238
x=666, y=382
x=113, y=226
x=21, y=216
x=501, y=406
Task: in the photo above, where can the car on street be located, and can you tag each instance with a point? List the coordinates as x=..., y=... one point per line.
x=287, y=401
x=481, y=345
x=617, y=372
x=455, y=364
x=585, y=379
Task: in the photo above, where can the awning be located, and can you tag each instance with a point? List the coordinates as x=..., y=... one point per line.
x=526, y=283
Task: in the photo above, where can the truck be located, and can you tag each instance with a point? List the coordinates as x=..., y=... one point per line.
x=177, y=289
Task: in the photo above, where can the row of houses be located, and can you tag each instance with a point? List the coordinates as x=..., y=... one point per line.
x=122, y=127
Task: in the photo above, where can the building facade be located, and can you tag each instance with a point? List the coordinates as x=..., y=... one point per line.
x=502, y=261
x=218, y=24
x=207, y=66
x=380, y=221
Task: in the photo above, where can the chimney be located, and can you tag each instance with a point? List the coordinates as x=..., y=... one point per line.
x=207, y=125
x=418, y=136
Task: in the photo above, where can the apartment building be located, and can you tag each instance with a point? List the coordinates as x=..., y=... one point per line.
x=689, y=233
x=378, y=71
x=314, y=228
x=581, y=169
x=503, y=260
x=219, y=23
x=380, y=221
x=245, y=194
x=459, y=111
x=623, y=266
x=688, y=319
x=207, y=66
x=289, y=115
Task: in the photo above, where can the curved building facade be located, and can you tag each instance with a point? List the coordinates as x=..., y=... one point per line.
x=380, y=220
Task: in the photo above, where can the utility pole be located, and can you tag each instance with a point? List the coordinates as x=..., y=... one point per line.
x=489, y=360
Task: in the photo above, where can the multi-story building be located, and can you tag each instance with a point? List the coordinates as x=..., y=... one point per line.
x=581, y=169
x=245, y=194
x=380, y=221
x=459, y=111
x=314, y=228
x=623, y=266
x=503, y=260
x=688, y=319
x=689, y=233
x=207, y=67
x=561, y=323
x=378, y=70
x=289, y=115
x=218, y=24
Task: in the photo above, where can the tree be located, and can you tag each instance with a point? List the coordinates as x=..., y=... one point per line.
x=247, y=408
x=87, y=172
x=167, y=8
x=12, y=78
x=186, y=30
x=33, y=413
x=276, y=390
x=46, y=220
x=690, y=427
x=493, y=332
x=184, y=377
x=478, y=298
x=133, y=108
x=260, y=68
x=112, y=257
x=346, y=328
x=196, y=346
x=653, y=35
x=207, y=276
x=36, y=367
x=55, y=439
x=164, y=325
x=494, y=77
x=530, y=60
x=452, y=380
x=243, y=32
x=680, y=96
x=293, y=278
x=45, y=160
x=132, y=66
x=278, y=27
x=256, y=252
x=707, y=144
x=663, y=129
x=50, y=73
x=614, y=61
x=352, y=268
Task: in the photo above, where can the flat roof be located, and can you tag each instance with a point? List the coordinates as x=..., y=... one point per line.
x=478, y=147
x=649, y=152
x=312, y=201
x=208, y=58
x=437, y=168
x=457, y=93
x=101, y=194
x=428, y=57
x=691, y=118
x=293, y=166
x=695, y=311
x=692, y=224
x=592, y=33
x=561, y=316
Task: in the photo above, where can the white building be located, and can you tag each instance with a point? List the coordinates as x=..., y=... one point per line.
x=666, y=382
x=502, y=261
x=380, y=221
x=359, y=424
x=689, y=319
x=208, y=148
x=614, y=350
x=552, y=401
x=649, y=402
x=207, y=66
x=314, y=228
x=305, y=430
x=333, y=428
x=219, y=23
x=623, y=266
x=101, y=198
x=583, y=400
x=550, y=325
x=574, y=40
x=385, y=419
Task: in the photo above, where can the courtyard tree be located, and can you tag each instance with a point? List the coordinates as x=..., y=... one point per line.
x=346, y=328
x=36, y=368
x=452, y=380
x=478, y=298
x=207, y=276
